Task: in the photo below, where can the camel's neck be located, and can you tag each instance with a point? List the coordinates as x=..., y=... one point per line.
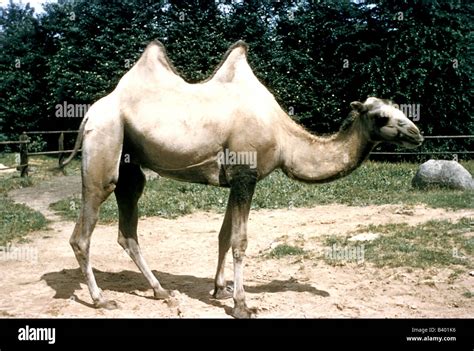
x=314, y=159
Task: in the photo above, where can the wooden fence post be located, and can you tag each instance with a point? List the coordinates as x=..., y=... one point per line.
x=61, y=148
x=24, y=155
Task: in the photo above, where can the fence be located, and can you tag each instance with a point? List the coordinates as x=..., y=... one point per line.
x=24, y=140
x=24, y=154
x=432, y=152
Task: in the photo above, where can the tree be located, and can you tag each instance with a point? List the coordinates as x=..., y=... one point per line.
x=315, y=56
x=22, y=66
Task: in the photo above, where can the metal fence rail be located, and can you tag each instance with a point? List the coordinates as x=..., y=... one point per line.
x=52, y=132
x=24, y=140
x=421, y=153
x=432, y=152
x=14, y=142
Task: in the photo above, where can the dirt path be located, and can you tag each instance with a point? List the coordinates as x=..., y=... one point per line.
x=40, y=196
x=183, y=254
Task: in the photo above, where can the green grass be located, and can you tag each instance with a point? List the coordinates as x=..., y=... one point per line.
x=41, y=168
x=374, y=183
x=468, y=294
x=433, y=243
x=283, y=250
x=16, y=220
x=12, y=182
x=166, y=198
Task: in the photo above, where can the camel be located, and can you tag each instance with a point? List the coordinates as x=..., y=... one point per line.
x=156, y=120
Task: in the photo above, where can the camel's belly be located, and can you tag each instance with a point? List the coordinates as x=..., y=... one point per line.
x=202, y=162
x=210, y=173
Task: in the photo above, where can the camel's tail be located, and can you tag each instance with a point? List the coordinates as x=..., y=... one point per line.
x=78, y=143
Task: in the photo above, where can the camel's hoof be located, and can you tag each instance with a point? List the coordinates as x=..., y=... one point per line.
x=223, y=293
x=163, y=294
x=107, y=304
x=244, y=312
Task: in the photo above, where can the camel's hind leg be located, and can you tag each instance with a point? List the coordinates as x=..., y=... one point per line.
x=129, y=189
x=101, y=150
x=80, y=241
x=99, y=175
x=221, y=290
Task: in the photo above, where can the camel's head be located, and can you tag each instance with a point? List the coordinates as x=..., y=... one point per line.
x=386, y=122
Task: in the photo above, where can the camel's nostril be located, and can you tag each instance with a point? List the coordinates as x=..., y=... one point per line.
x=419, y=139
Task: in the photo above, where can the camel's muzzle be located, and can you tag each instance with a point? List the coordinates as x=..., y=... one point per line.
x=410, y=140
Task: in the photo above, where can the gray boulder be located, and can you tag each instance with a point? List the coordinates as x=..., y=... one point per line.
x=442, y=173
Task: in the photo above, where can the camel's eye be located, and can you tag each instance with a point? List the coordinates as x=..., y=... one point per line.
x=381, y=121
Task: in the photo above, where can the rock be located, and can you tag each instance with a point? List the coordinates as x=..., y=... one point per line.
x=471, y=273
x=403, y=211
x=447, y=174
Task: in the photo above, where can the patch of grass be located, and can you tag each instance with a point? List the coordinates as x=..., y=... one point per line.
x=468, y=294
x=11, y=182
x=165, y=198
x=16, y=220
x=283, y=250
x=374, y=183
x=41, y=168
x=433, y=243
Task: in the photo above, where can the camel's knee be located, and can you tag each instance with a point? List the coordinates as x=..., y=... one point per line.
x=80, y=240
x=79, y=246
x=130, y=245
x=238, y=248
x=238, y=254
x=123, y=241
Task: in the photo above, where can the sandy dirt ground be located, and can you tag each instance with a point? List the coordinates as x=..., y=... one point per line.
x=46, y=281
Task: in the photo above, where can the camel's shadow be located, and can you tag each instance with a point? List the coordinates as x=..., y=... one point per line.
x=67, y=281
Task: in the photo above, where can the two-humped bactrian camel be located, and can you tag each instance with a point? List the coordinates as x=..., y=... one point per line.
x=155, y=119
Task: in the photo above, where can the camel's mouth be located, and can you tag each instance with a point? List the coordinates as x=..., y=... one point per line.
x=409, y=141
x=410, y=145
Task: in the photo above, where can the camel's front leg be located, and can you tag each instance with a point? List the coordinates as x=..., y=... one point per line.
x=242, y=183
x=128, y=191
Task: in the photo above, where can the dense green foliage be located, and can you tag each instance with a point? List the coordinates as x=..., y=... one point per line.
x=316, y=56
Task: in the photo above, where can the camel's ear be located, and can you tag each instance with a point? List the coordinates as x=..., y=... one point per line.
x=358, y=106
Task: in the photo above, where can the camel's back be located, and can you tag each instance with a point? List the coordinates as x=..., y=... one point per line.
x=171, y=124
x=231, y=104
